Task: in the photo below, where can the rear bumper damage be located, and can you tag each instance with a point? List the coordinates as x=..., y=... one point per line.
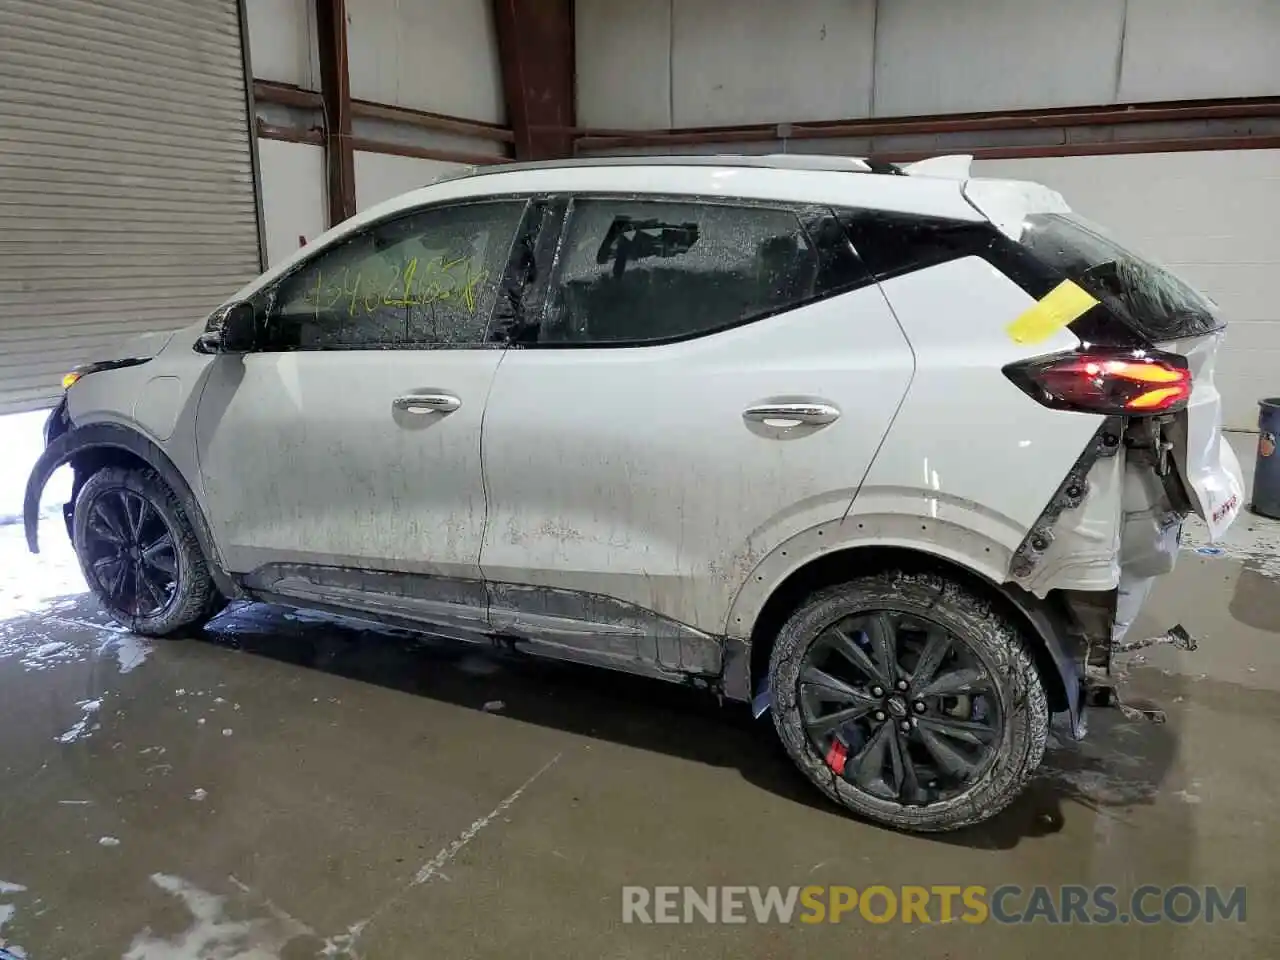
x=1111, y=531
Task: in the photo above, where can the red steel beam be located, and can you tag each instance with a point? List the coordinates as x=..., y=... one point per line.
x=335, y=88
x=535, y=48
x=427, y=153
x=432, y=121
x=286, y=94
x=1107, y=115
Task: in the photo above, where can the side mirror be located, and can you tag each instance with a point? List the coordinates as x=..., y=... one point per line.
x=230, y=329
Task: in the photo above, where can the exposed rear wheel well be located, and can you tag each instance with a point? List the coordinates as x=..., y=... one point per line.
x=843, y=565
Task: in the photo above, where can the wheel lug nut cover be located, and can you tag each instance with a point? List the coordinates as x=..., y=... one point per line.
x=902, y=684
x=879, y=714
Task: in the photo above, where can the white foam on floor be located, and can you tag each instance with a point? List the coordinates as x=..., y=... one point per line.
x=211, y=933
x=87, y=723
x=32, y=583
x=7, y=911
x=1252, y=540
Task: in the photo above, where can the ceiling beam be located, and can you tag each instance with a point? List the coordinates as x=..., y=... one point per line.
x=535, y=48
x=335, y=89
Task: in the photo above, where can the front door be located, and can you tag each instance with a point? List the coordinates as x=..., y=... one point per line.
x=341, y=458
x=708, y=380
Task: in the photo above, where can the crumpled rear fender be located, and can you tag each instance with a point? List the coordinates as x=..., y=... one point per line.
x=106, y=437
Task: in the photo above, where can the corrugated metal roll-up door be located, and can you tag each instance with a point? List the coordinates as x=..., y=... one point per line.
x=127, y=197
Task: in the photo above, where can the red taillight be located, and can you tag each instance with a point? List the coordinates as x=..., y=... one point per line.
x=1105, y=382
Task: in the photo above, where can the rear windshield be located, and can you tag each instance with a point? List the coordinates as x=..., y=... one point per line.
x=1146, y=297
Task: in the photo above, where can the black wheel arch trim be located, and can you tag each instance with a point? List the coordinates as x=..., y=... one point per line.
x=1034, y=613
x=1041, y=617
x=110, y=436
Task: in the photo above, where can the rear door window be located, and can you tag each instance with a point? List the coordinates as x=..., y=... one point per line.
x=636, y=271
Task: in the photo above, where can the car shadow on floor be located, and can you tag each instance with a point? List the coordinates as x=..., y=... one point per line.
x=1122, y=764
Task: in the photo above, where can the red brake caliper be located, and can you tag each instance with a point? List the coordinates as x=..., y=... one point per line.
x=836, y=757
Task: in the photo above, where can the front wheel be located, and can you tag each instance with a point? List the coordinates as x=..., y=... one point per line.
x=909, y=700
x=139, y=554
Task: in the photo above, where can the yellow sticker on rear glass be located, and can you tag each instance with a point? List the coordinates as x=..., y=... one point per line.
x=1052, y=312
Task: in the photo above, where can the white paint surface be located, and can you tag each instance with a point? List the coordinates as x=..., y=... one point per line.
x=1209, y=216
x=293, y=195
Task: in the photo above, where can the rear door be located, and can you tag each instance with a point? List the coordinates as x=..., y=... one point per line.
x=703, y=380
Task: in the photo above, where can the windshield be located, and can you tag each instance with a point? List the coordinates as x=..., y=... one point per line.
x=1147, y=297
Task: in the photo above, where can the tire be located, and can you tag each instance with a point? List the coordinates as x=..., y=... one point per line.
x=110, y=500
x=918, y=606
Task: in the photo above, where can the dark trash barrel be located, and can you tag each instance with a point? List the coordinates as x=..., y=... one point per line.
x=1266, y=472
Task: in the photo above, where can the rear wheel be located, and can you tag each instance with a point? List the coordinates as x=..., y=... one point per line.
x=909, y=700
x=139, y=553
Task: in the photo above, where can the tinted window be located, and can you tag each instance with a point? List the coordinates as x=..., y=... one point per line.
x=892, y=244
x=1142, y=294
x=641, y=271
x=427, y=279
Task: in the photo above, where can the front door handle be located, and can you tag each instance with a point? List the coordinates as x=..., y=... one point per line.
x=791, y=414
x=424, y=403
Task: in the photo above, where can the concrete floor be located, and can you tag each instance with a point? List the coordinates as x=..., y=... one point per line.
x=286, y=786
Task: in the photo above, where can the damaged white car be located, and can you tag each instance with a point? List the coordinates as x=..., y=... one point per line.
x=891, y=453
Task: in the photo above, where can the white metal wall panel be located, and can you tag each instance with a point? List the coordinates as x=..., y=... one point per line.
x=282, y=42
x=937, y=56
x=1189, y=48
x=440, y=56
x=669, y=63
x=1211, y=216
x=815, y=61
x=293, y=195
x=381, y=176
x=622, y=50
x=127, y=200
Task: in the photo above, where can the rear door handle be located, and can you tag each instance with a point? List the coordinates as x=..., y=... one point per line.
x=790, y=414
x=424, y=403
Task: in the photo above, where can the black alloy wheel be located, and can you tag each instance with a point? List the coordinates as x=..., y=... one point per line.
x=901, y=708
x=140, y=554
x=131, y=553
x=910, y=698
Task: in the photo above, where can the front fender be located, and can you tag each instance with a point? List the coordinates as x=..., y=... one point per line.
x=110, y=436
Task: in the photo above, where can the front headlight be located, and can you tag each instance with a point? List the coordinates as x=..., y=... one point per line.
x=71, y=379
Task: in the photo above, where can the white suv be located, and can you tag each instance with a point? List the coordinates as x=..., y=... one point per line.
x=892, y=453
